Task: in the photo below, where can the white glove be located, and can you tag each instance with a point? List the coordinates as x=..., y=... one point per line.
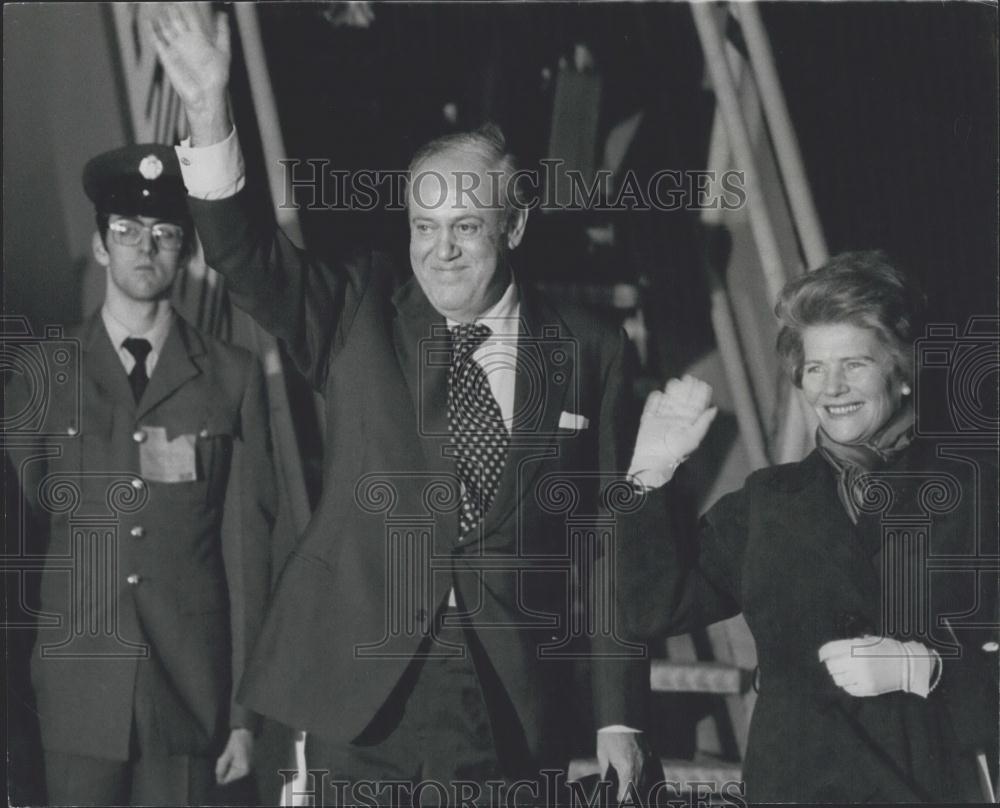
x=673, y=424
x=871, y=666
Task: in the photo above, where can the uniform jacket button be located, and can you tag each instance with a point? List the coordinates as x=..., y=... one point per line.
x=72, y=430
x=991, y=647
x=203, y=432
x=133, y=579
x=138, y=532
x=137, y=483
x=139, y=435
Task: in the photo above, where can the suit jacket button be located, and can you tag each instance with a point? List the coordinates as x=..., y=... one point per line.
x=139, y=435
x=991, y=647
x=137, y=484
x=138, y=532
x=133, y=579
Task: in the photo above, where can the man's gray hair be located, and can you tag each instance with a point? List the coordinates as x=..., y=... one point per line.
x=489, y=144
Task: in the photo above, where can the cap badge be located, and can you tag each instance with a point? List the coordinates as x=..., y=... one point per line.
x=150, y=167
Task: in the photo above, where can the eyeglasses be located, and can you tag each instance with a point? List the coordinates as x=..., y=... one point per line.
x=128, y=233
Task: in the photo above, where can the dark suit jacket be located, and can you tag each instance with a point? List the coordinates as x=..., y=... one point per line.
x=200, y=548
x=917, y=566
x=356, y=597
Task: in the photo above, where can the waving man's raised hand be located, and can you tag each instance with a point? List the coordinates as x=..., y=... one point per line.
x=195, y=53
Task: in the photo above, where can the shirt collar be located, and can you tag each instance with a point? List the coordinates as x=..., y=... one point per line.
x=157, y=333
x=502, y=317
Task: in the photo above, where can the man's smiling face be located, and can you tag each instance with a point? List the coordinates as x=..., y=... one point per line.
x=459, y=236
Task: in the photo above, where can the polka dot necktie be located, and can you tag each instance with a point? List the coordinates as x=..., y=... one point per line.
x=138, y=378
x=477, y=427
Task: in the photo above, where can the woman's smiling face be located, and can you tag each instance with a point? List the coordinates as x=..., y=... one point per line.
x=849, y=379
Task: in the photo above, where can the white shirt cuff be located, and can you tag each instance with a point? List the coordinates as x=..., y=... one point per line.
x=212, y=172
x=618, y=728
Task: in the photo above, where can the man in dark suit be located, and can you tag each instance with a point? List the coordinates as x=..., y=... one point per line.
x=153, y=492
x=477, y=439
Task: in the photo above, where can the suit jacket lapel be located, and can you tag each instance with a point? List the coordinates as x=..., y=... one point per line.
x=175, y=367
x=420, y=341
x=545, y=343
x=102, y=363
x=545, y=368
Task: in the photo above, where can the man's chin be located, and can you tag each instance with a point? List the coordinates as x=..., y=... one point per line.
x=453, y=307
x=149, y=295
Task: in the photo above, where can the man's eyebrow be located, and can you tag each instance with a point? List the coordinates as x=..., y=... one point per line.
x=807, y=361
x=456, y=220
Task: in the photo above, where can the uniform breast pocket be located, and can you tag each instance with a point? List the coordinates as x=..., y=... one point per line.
x=214, y=448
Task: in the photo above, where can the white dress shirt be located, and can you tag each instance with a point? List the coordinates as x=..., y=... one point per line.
x=156, y=335
x=497, y=356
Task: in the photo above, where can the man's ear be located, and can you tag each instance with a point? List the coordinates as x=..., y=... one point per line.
x=515, y=226
x=100, y=251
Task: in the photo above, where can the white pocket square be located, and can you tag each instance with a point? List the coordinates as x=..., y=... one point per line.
x=571, y=420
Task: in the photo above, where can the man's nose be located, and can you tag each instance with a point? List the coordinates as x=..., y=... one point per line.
x=147, y=243
x=446, y=247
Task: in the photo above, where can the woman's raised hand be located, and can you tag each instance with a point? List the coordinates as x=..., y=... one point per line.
x=674, y=423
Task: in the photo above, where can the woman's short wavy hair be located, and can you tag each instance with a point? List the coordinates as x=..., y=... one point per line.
x=861, y=288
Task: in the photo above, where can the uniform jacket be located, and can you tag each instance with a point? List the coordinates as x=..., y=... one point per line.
x=176, y=571
x=920, y=564
x=357, y=597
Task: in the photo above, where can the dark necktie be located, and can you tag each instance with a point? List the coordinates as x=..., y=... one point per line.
x=138, y=378
x=477, y=427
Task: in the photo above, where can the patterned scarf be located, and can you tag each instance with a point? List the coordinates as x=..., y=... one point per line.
x=853, y=461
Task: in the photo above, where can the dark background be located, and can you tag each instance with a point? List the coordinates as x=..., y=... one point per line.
x=895, y=106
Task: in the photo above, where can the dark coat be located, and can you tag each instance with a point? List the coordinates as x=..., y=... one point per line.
x=199, y=549
x=343, y=626
x=784, y=551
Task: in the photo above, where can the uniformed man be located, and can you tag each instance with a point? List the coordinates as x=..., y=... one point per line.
x=154, y=495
